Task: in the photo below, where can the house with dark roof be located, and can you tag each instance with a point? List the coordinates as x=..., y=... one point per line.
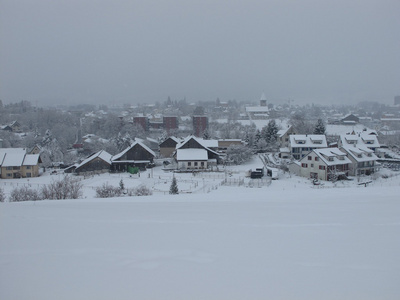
x=193, y=154
x=168, y=147
x=136, y=155
x=96, y=163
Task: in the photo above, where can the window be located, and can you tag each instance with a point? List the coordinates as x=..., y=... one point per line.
x=316, y=159
x=195, y=163
x=189, y=164
x=28, y=175
x=304, y=165
x=309, y=158
x=9, y=168
x=312, y=165
x=202, y=163
x=9, y=174
x=28, y=167
x=322, y=167
x=16, y=168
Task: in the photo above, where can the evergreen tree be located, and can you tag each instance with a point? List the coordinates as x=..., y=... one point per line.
x=272, y=132
x=206, y=134
x=173, y=190
x=121, y=185
x=257, y=137
x=319, y=127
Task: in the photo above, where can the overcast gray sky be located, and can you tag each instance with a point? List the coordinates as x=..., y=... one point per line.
x=94, y=51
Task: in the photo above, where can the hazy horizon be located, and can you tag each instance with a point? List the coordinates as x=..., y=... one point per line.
x=103, y=52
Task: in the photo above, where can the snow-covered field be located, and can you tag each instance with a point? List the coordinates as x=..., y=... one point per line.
x=287, y=240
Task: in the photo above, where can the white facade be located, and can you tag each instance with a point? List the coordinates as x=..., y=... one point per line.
x=323, y=164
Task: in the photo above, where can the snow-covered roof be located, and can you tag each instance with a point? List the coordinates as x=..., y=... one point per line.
x=12, y=150
x=255, y=109
x=101, y=154
x=332, y=129
x=206, y=145
x=331, y=156
x=360, y=154
x=13, y=159
x=368, y=140
x=119, y=155
x=191, y=154
x=308, y=140
x=31, y=159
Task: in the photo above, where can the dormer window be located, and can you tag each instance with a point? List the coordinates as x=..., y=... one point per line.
x=330, y=158
x=341, y=157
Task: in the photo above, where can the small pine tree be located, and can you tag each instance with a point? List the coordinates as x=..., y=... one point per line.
x=319, y=127
x=121, y=185
x=173, y=190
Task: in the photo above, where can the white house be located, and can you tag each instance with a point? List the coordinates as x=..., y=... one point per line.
x=193, y=153
x=300, y=144
x=363, y=160
x=325, y=164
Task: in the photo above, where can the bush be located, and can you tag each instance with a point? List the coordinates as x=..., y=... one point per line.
x=141, y=190
x=108, y=191
x=66, y=188
x=24, y=194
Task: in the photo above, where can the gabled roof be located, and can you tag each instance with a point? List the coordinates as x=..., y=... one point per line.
x=173, y=138
x=282, y=132
x=361, y=139
x=331, y=156
x=308, y=140
x=360, y=154
x=105, y=156
x=119, y=155
x=13, y=159
x=31, y=159
x=201, y=142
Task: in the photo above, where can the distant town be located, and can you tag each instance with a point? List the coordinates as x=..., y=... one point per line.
x=325, y=143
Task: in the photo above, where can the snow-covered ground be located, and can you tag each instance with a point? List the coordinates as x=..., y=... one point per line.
x=285, y=240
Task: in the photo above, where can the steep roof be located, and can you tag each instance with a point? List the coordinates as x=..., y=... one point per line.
x=201, y=142
x=119, y=155
x=101, y=154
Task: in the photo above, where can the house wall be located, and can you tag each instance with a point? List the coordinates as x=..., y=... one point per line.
x=30, y=171
x=18, y=172
x=192, y=165
x=311, y=167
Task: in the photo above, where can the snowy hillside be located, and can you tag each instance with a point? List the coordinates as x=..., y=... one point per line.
x=285, y=240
